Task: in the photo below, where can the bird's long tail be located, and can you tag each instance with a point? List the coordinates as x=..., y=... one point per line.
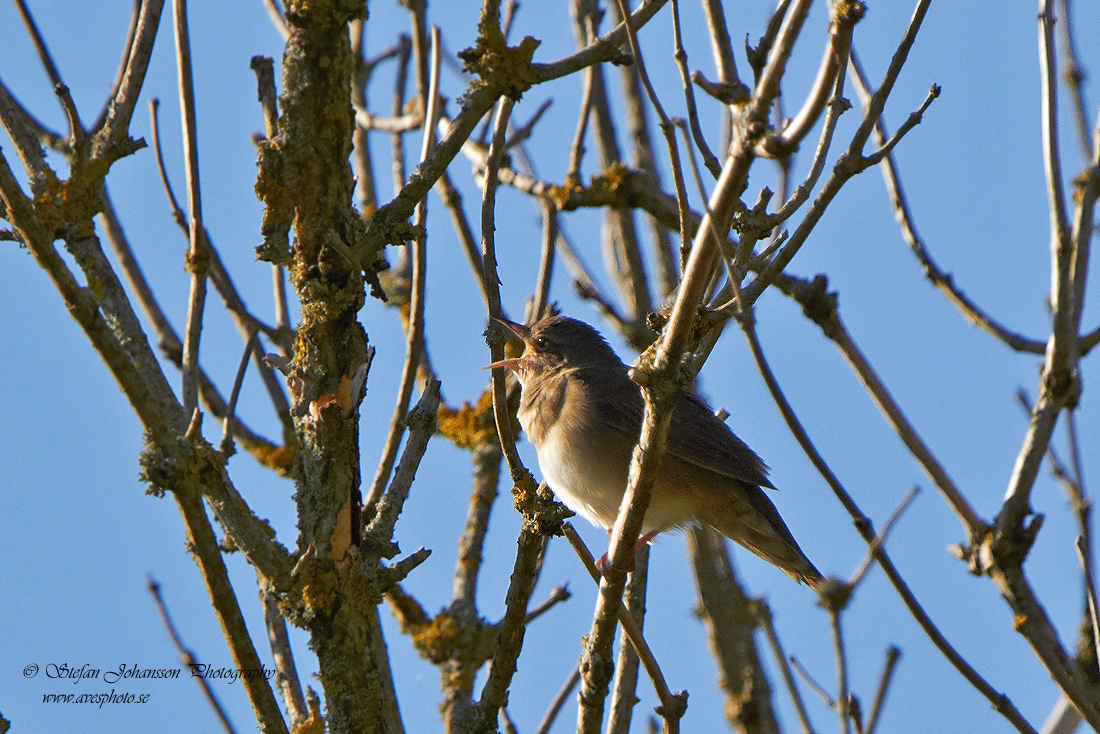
x=757, y=525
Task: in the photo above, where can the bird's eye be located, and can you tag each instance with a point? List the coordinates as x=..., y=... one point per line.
x=542, y=342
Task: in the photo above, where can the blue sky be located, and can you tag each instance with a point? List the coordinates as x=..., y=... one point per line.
x=78, y=536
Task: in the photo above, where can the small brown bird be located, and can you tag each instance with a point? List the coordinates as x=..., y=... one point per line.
x=583, y=413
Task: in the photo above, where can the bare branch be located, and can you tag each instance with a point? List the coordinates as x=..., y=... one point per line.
x=893, y=654
x=625, y=685
x=559, y=700
x=276, y=16
x=880, y=539
x=198, y=260
x=842, y=702
x=226, y=446
x=204, y=547
x=422, y=423
x=286, y=671
x=633, y=631
x=906, y=221
x=728, y=615
x=722, y=47
x=999, y=701
x=188, y=657
x=709, y=160
x=1074, y=76
x=111, y=136
x=414, y=334
x=1090, y=591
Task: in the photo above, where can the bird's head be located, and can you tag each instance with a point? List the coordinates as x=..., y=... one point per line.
x=555, y=343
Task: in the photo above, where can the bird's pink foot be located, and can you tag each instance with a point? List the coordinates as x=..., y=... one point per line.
x=603, y=564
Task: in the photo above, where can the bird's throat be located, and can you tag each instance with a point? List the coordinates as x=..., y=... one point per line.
x=542, y=402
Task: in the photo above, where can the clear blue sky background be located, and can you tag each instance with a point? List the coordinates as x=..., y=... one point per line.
x=78, y=537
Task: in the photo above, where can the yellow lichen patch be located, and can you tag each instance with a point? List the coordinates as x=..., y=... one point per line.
x=560, y=194
x=438, y=640
x=315, y=724
x=279, y=458
x=613, y=176
x=504, y=67
x=319, y=593
x=469, y=426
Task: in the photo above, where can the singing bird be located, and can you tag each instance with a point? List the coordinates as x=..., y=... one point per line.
x=583, y=414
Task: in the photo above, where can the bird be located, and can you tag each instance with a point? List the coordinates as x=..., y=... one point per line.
x=583, y=413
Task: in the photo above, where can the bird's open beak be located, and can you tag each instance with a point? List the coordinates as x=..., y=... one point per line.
x=519, y=330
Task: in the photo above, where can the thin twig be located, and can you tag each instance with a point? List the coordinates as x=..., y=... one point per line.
x=764, y=616
x=203, y=545
x=1001, y=703
x=841, y=671
x=576, y=149
x=541, y=299
x=880, y=539
x=507, y=725
x=625, y=685
x=1074, y=76
x=226, y=446
x=1064, y=718
x=619, y=236
x=630, y=626
x=187, y=657
x=814, y=685
x=44, y=56
x=557, y=596
x=837, y=106
x=729, y=617
x=127, y=50
x=414, y=333
x=666, y=125
x=112, y=132
x=1090, y=591
x=558, y=702
x=531, y=541
x=827, y=316
x=850, y=163
x=664, y=252
x=709, y=159
x=422, y=424
x=1052, y=160
x=520, y=134
x=733, y=90
x=833, y=62
x=907, y=222
x=283, y=656
x=487, y=460
x=492, y=282
x=893, y=654
x=197, y=257
x=276, y=17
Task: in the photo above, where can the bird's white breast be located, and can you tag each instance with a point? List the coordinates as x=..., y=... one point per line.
x=586, y=462
x=591, y=479
x=568, y=469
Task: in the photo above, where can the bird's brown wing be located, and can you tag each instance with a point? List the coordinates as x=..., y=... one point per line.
x=696, y=436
